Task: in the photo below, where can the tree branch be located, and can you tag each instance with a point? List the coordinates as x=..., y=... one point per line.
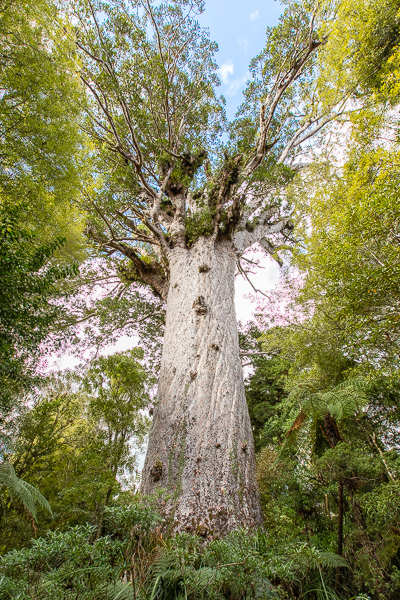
x=244, y=238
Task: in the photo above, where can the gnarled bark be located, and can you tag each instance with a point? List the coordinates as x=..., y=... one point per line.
x=201, y=449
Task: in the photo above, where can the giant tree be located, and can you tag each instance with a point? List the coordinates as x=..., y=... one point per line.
x=179, y=206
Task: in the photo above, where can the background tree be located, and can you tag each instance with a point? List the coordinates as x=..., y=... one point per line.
x=41, y=148
x=78, y=443
x=41, y=164
x=346, y=200
x=317, y=482
x=264, y=385
x=28, y=276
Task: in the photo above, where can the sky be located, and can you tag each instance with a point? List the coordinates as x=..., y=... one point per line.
x=239, y=28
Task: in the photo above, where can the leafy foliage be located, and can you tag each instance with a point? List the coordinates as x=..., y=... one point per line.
x=40, y=228
x=28, y=278
x=40, y=144
x=63, y=565
x=353, y=252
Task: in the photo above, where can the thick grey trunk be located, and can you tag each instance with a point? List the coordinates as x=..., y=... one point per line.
x=201, y=445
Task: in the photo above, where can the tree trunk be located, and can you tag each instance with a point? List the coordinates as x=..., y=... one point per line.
x=340, y=531
x=201, y=450
x=340, y=518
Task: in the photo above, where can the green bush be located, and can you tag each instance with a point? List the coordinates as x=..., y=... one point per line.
x=132, y=559
x=74, y=564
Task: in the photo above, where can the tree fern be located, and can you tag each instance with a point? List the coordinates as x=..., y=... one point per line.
x=22, y=490
x=341, y=402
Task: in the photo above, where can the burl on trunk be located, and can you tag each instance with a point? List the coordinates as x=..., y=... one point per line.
x=201, y=450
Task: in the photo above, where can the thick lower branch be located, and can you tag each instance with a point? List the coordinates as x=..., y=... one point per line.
x=150, y=273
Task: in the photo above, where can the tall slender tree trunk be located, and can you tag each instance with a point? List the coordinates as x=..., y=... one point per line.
x=340, y=530
x=201, y=450
x=340, y=518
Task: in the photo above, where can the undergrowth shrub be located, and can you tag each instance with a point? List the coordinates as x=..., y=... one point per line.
x=239, y=566
x=61, y=565
x=232, y=567
x=132, y=559
x=78, y=563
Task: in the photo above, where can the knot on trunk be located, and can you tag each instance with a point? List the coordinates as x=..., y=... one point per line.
x=156, y=471
x=202, y=531
x=204, y=268
x=214, y=346
x=200, y=306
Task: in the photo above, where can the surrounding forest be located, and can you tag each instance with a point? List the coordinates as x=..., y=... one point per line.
x=128, y=204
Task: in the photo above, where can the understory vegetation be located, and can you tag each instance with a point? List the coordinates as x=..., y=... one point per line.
x=321, y=355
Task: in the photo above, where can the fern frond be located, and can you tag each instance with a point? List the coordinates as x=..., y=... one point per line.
x=204, y=576
x=118, y=591
x=357, y=383
x=330, y=560
x=24, y=491
x=36, y=496
x=162, y=564
x=297, y=423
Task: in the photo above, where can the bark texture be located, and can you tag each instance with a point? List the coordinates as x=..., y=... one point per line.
x=201, y=449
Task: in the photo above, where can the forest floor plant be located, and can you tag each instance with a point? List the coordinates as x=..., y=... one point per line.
x=132, y=559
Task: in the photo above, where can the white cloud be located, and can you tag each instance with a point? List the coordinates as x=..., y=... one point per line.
x=225, y=71
x=233, y=85
x=243, y=43
x=255, y=15
x=237, y=85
